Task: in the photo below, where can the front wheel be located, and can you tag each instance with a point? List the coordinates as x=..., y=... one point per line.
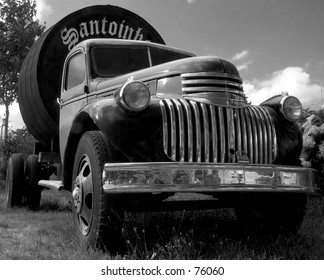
x=97, y=216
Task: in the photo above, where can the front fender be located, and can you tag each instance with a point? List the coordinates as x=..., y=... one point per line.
x=289, y=139
x=134, y=134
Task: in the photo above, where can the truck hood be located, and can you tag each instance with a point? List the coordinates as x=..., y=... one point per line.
x=174, y=68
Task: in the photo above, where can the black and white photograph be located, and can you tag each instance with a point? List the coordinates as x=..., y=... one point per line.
x=182, y=139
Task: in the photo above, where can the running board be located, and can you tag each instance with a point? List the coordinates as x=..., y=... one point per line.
x=51, y=184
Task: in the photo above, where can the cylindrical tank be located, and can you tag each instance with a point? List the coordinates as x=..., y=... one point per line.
x=39, y=83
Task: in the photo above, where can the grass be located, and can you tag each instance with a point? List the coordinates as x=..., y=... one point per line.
x=213, y=234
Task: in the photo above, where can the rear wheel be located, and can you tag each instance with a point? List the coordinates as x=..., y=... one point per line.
x=97, y=217
x=281, y=215
x=15, y=180
x=32, y=176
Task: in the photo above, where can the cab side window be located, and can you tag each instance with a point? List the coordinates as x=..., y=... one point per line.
x=76, y=71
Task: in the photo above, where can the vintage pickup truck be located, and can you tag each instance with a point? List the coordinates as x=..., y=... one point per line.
x=139, y=123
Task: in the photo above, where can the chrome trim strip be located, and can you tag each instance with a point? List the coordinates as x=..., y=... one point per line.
x=250, y=137
x=205, y=132
x=214, y=132
x=173, y=129
x=266, y=136
x=210, y=89
x=255, y=136
x=207, y=178
x=230, y=135
x=211, y=82
x=244, y=136
x=198, y=130
x=181, y=131
x=222, y=137
x=186, y=106
x=165, y=127
x=212, y=75
x=261, y=135
x=238, y=133
x=274, y=134
x=269, y=133
x=262, y=139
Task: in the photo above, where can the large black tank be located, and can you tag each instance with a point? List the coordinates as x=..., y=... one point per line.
x=40, y=77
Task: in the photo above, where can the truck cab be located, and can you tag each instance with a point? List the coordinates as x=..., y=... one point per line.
x=96, y=68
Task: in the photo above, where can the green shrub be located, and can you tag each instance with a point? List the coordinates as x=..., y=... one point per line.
x=313, y=142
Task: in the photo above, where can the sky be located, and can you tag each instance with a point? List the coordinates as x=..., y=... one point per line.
x=277, y=45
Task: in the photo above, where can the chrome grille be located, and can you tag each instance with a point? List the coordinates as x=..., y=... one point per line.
x=211, y=82
x=197, y=132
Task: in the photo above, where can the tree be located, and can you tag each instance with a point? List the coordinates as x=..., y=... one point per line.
x=18, y=31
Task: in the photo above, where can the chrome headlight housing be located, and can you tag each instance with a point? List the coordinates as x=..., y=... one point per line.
x=134, y=96
x=291, y=108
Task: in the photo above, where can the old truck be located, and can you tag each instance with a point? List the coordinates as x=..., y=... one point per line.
x=126, y=123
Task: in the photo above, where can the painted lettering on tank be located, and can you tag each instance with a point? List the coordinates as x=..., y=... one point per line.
x=109, y=29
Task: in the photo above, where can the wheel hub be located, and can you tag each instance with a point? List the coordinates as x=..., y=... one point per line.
x=77, y=195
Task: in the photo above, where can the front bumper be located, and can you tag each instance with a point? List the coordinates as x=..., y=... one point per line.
x=169, y=177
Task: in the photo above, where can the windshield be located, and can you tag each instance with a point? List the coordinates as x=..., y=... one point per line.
x=159, y=56
x=112, y=61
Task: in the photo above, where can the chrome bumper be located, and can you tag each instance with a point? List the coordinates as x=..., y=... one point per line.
x=153, y=177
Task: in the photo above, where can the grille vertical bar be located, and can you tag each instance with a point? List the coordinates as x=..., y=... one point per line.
x=205, y=132
x=249, y=133
x=171, y=139
x=214, y=151
x=222, y=137
x=272, y=147
x=237, y=126
x=181, y=130
x=230, y=135
x=255, y=134
x=189, y=129
x=197, y=132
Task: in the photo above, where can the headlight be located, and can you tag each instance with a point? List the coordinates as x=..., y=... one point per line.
x=134, y=96
x=291, y=108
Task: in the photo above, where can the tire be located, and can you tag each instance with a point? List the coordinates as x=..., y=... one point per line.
x=32, y=176
x=282, y=215
x=97, y=216
x=15, y=180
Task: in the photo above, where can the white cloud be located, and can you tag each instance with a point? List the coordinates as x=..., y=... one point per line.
x=241, y=58
x=191, y=1
x=244, y=65
x=43, y=10
x=241, y=55
x=294, y=80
